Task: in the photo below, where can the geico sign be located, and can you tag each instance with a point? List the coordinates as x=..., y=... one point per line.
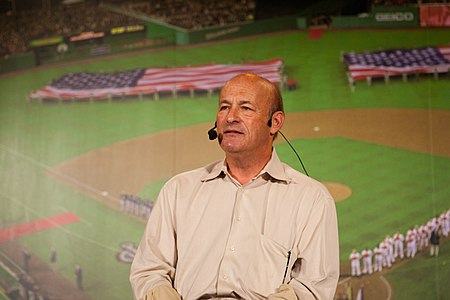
x=394, y=17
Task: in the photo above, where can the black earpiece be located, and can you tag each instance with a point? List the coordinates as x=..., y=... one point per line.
x=212, y=133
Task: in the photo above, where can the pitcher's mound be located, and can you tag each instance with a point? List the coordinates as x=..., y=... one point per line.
x=339, y=191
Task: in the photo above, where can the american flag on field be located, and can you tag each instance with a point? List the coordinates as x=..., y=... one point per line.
x=148, y=81
x=397, y=62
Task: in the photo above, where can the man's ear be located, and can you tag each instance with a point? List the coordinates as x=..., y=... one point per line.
x=277, y=122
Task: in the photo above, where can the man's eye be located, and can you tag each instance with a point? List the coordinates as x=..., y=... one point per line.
x=246, y=108
x=223, y=107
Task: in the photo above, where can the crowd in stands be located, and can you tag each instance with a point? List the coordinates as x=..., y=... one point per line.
x=320, y=21
x=399, y=246
x=21, y=27
x=194, y=14
x=404, y=2
x=134, y=205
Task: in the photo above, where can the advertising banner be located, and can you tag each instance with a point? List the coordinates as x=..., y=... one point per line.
x=396, y=16
x=126, y=29
x=435, y=15
x=47, y=41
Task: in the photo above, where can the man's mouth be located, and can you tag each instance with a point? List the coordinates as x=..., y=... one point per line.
x=231, y=131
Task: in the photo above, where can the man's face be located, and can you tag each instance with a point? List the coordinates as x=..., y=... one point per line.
x=242, y=117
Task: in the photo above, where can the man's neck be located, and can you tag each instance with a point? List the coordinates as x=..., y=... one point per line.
x=244, y=168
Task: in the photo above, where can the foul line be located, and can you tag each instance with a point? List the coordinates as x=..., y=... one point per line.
x=388, y=287
x=56, y=173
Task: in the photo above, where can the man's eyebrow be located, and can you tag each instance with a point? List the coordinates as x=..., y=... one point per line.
x=245, y=102
x=240, y=101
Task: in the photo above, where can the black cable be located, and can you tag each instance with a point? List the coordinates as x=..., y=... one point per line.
x=293, y=149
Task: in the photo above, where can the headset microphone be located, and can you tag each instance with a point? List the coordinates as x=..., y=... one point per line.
x=293, y=149
x=212, y=133
x=269, y=123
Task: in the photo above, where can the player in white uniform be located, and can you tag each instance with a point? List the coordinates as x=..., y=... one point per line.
x=354, y=259
x=367, y=261
x=378, y=252
x=410, y=244
x=398, y=245
x=444, y=223
x=390, y=249
x=448, y=220
x=385, y=250
x=423, y=237
x=436, y=223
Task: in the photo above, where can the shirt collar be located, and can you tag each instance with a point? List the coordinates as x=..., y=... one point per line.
x=274, y=168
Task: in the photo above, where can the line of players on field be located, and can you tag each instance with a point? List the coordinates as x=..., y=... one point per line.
x=135, y=205
x=392, y=248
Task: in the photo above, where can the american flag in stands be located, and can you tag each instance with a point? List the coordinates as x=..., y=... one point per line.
x=100, y=85
x=395, y=62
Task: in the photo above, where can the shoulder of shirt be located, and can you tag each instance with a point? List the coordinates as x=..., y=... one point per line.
x=305, y=182
x=298, y=177
x=198, y=174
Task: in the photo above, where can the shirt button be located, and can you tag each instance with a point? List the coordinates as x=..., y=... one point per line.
x=232, y=248
x=238, y=218
x=225, y=277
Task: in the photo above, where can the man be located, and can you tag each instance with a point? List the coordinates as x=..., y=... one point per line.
x=378, y=252
x=443, y=220
x=26, y=260
x=79, y=276
x=411, y=247
x=398, y=245
x=355, y=262
x=247, y=227
x=434, y=242
x=366, y=255
x=385, y=250
x=390, y=249
x=53, y=256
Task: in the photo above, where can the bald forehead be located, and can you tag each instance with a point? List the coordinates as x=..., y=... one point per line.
x=250, y=79
x=252, y=83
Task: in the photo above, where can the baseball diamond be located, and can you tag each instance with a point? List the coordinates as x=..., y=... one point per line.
x=383, y=151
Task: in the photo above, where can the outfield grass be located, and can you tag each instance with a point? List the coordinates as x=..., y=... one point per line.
x=393, y=189
x=423, y=278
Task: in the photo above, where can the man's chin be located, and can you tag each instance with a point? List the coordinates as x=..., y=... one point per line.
x=230, y=147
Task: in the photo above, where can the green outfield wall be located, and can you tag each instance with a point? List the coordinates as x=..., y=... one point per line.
x=407, y=16
x=10, y=63
x=240, y=30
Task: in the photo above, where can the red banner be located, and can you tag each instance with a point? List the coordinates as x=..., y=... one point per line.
x=435, y=15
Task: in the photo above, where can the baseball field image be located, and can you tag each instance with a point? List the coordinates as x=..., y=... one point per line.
x=80, y=175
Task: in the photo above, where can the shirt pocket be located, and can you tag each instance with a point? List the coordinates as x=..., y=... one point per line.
x=267, y=267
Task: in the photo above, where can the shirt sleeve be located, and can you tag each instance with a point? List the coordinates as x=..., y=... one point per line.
x=155, y=259
x=316, y=270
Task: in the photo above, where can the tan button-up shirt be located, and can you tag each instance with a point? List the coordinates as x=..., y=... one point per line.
x=209, y=236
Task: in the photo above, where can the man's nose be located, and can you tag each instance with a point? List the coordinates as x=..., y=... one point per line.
x=233, y=115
